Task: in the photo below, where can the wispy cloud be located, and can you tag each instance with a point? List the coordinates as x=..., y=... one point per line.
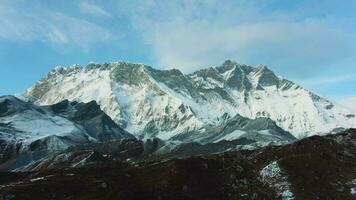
x=195, y=45
x=93, y=9
x=48, y=26
x=192, y=34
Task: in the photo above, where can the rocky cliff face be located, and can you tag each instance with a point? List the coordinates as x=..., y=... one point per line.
x=166, y=103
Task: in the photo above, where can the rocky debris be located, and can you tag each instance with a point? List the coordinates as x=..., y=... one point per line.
x=77, y=156
x=312, y=168
x=274, y=176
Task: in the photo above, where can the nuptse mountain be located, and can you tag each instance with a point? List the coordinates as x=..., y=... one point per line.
x=212, y=110
x=169, y=104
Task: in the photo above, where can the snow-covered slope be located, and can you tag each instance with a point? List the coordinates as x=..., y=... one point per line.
x=25, y=123
x=26, y=127
x=166, y=103
x=262, y=130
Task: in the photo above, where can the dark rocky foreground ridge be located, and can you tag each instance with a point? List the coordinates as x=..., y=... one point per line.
x=312, y=168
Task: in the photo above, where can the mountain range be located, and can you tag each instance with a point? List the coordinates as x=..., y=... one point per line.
x=120, y=129
x=29, y=132
x=149, y=103
x=212, y=110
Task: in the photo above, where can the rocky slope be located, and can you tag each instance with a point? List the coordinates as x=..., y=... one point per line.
x=260, y=129
x=25, y=127
x=312, y=168
x=167, y=103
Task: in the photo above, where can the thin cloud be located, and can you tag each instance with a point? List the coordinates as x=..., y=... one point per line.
x=348, y=103
x=92, y=9
x=193, y=34
x=50, y=27
x=192, y=46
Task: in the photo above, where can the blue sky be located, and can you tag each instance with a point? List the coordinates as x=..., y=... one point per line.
x=307, y=41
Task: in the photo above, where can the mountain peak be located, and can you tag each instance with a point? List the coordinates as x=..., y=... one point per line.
x=226, y=66
x=265, y=76
x=131, y=73
x=235, y=75
x=229, y=62
x=263, y=68
x=210, y=72
x=64, y=69
x=8, y=98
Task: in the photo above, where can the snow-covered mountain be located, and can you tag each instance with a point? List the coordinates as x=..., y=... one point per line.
x=33, y=134
x=167, y=103
x=25, y=127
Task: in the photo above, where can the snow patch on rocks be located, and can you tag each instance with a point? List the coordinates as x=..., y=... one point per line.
x=274, y=177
